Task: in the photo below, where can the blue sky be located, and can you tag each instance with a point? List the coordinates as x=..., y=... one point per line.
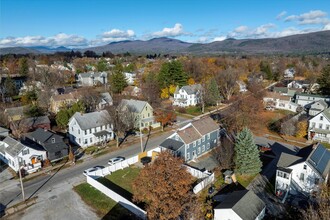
x=81, y=23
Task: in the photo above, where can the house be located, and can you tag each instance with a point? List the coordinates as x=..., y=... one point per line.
x=87, y=129
x=29, y=124
x=63, y=100
x=306, y=100
x=194, y=139
x=289, y=73
x=16, y=155
x=143, y=111
x=15, y=113
x=106, y=100
x=64, y=90
x=130, y=78
x=298, y=84
x=4, y=132
x=132, y=91
x=50, y=142
x=240, y=205
x=242, y=86
x=17, y=79
x=278, y=101
x=187, y=95
x=256, y=77
x=319, y=127
x=302, y=173
x=317, y=107
x=92, y=78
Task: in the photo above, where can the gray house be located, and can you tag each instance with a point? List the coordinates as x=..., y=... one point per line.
x=52, y=143
x=194, y=139
x=317, y=107
x=3, y=132
x=92, y=79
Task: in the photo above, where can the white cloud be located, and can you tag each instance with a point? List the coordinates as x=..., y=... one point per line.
x=202, y=40
x=281, y=15
x=177, y=30
x=61, y=39
x=220, y=38
x=241, y=29
x=116, y=33
x=312, y=17
x=326, y=27
x=262, y=30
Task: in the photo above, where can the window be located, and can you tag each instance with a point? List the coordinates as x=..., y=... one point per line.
x=25, y=152
x=91, y=140
x=85, y=141
x=71, y=128
x=208, y=145
x=194, y=143
x=78, y=131
x=188, y=156
x=148, y=114
x=313, y=124
x=203, y=148
x=203, y=138
x=320, y=126
x=316, y=181
x=208, y=136
x=305, y=167
x=321, y=118
x=177, y=137
x=302, y=177
x=85, y=132
x=199, y=150
x=199, y=141
x=285, y=175
x=90, y=130
x=328, y=127
x=79, y=141
x=53, y=140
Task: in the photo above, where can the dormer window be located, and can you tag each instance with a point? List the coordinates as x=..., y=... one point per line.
x=53, y=140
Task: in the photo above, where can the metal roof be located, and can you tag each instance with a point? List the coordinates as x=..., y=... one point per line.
x=92, y=119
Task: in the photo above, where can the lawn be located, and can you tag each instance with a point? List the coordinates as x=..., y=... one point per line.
x=326, y=145
x=245, y=180
x=103, y=205
x=124, y=178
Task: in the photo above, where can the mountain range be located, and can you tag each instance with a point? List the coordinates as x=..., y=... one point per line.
x=316, y=42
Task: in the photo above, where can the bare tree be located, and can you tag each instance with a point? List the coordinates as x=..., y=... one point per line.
x=91, y=99
x=225, y=152
x=227, y=82
x=289, y=127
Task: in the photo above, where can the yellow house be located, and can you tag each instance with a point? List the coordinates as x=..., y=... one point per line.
x=144, y=115
x=59, y=101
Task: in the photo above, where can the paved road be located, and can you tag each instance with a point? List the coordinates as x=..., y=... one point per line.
x=11, y=194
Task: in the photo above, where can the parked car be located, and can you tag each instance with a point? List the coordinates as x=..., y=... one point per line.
x=93, y=169
x=115, y=160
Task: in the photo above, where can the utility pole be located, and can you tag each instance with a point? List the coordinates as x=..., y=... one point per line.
x=20, y=177
x=141, y=137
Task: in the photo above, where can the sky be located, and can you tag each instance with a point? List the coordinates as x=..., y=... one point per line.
x=85, y=23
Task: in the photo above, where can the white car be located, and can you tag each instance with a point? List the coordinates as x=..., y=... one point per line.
x=93, y=169
x=112, y=161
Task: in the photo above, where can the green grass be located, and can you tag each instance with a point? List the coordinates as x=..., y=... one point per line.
x=194, y=110
x=103, y=205
x=245, y=179
x=327, y=145
x=124, y=178
x=91, y=150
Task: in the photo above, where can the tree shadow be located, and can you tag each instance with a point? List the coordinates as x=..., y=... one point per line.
x=118, y=212
x=148, y=137
x=117, y=189
x=2, y=210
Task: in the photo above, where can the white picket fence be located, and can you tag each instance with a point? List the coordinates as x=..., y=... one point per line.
x=207, y=181
x=197, y=173
x=118, y=198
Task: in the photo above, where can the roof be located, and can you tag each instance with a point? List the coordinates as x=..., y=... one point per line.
x=72, y=95
x=189, y=134
x=326, y=113
x=14, y=147
x=172, y=144
x=287, y=170
x=321, y=103
x=287, y=160
x=106, y=97
x=311, y=95
x=244, y=203
x=15, y=110
x=34, y=121
x=205, y=125
x=281, y=89
x=3, y=130
x=134, y=105
x=192, y=89
x=319, y=159
x=101, y=133
x=92, y=119
x=95, y=74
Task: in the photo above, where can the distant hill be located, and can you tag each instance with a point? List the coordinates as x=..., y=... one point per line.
x=317, y=42
x=156, y=45
x=302, y=43
x=17, y=50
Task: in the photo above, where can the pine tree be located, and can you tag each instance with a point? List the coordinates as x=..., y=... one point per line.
x=118, y=82
x=324, y=81
x=23, y=66
x=172, y=73
x=212, y=94
x=247, y=159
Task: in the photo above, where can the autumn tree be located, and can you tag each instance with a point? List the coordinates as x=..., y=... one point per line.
x=172, y=73
x=324, y=81
x=150, y=88
x=227, y=82
x=289, y=127
x=247, y=160
x=225, y=152
x=91, y=99
x=301, y=129
x=165, y=117
x=164, y=186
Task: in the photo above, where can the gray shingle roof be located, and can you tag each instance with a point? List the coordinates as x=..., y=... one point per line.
x=14, y=146
x=34, y=121
x=191, y=89
x=106, y=96
x=205, y=125
x=95, y=74
x=15, y=110
x=134, y=105
x=172, y=144
x=244, y=203
x=92, y=119
x=3, y=129
x=287, y=160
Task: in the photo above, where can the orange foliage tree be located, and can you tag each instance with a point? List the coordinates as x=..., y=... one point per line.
x=164, y=187
x=165, y=117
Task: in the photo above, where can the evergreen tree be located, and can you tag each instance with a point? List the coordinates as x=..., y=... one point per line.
x=23, y=66
x=118, y=82
x=10, y=87
x=264, y=67
x=172, y=73
x=62, y=118
x=247, y=159
x=324, y=81
x=212, y=94
x=102, y=66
